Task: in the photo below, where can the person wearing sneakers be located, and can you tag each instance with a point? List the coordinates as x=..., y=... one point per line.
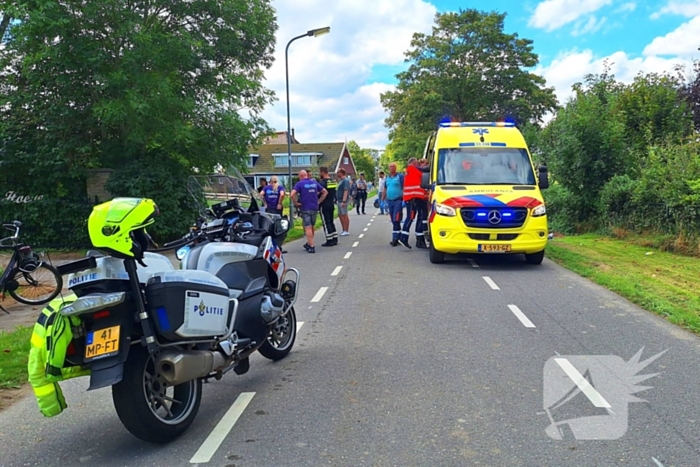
x=342, y=195
x=308, y=204
x=393, y=194
x=416, y=206
x=328, y=207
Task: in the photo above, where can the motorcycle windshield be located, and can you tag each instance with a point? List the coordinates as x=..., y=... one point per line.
x=208, y=190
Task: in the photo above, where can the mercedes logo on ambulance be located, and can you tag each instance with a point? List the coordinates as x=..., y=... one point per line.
x=494, y=217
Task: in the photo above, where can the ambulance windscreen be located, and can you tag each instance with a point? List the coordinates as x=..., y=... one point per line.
x=484, y=166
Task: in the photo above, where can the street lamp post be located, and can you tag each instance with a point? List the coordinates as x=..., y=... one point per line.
x=311, y=33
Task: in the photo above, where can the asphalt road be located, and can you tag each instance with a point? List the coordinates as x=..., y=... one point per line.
x=403, y=363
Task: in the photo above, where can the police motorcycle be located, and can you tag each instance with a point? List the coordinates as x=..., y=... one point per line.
x=155, y=333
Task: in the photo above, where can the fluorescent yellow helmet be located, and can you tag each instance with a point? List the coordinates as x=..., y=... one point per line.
x=118, y=226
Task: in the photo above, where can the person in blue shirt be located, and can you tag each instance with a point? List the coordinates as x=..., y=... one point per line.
x=393, y=194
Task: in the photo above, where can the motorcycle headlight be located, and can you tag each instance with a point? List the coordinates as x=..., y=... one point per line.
x=539, y=211
x=445, y=210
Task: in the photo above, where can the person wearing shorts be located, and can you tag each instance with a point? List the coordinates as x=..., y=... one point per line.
x=308, y=203
x=342, y=194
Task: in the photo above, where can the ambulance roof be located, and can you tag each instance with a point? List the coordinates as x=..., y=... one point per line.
x=468, y=134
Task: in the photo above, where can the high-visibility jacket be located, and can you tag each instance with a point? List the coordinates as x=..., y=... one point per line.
x=411, y=186
x=51, y=337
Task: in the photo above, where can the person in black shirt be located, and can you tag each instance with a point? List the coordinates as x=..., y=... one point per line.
x=328, y=207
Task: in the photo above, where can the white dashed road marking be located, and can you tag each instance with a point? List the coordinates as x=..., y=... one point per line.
x=355, y=244
x=222, y=429
x=361, y=236
x=347, y=255
x=657, y=462
x=369, y=224
x=491, y=283
x=582, y=383
x=319, y=295
x=521, y=316
x=365, y=229
x=336, y=271
x=299, y=325
x=473, y=263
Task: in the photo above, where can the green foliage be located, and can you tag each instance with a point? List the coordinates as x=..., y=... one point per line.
x=562, y=209
x=114, y=84
x=165, y=182
x=467, y=69
x=364, y=163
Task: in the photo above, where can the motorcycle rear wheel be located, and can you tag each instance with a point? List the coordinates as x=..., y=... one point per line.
x=280, y=342
x=149, y=408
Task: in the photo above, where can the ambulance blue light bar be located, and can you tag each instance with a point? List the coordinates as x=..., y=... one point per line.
x=470, y=124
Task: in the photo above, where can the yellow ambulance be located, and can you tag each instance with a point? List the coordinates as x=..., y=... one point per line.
x=485, y=192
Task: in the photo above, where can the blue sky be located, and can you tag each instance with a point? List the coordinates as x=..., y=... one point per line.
x=336, y=79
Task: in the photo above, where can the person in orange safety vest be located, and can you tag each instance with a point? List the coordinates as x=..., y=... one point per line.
x=416, y=204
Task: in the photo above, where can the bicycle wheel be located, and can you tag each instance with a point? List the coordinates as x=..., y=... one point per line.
x=39, y=286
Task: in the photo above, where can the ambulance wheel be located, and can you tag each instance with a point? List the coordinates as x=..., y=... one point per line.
x=436, y=257
x=535, y=258
x=147, y=406
x=282, y=337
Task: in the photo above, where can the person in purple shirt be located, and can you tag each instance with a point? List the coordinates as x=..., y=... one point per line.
x=308, y=203
x=273, y=195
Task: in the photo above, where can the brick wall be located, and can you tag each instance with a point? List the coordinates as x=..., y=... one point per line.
x=96, y=181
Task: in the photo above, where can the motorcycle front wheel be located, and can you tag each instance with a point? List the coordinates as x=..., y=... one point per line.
x=148, y=406
x=282, y=337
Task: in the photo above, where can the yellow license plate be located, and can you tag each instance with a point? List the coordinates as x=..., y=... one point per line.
x=497, y=247
x=102, y=343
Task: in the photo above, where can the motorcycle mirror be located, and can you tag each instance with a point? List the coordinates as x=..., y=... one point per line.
x=281, y=226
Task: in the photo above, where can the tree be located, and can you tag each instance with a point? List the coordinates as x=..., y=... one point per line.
x=114, y=84
x=468, y=69
x=364, y=162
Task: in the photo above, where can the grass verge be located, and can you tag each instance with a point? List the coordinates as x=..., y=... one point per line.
x=661, y=282
x=14, y=352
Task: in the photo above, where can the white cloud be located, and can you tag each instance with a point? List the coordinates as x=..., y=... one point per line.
x=682, y=41
x=629, y=6
x=675, y=7
x=329, y=95
x=553, y=14
x=586, y=27
x=573, y=66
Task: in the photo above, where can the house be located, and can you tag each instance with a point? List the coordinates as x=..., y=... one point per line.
x=272, y=159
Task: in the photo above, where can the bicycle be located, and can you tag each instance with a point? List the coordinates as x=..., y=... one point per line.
x=26, y=272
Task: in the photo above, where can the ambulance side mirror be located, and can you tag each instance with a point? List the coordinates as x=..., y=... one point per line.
x=543, y=177
x=425, y=181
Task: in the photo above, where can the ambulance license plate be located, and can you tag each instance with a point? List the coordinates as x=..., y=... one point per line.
x=102, y=343
x=494, y=248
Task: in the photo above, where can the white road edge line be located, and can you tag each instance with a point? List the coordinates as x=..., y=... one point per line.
x=491, y=283
x=583, y=384
x=299, y=325
x=361, y=236
x=355, y=244
x=521, y=316
x=222, y=429
x=473, y=263
x=657, y=462
x=336, y=271
x=319, y=295
x=347, y=255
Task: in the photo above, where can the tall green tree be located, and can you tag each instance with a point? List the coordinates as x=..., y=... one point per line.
x=89, y=84
x=364, y=162
x=467, y=69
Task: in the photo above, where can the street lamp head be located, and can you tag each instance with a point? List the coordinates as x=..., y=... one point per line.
x=319, y=31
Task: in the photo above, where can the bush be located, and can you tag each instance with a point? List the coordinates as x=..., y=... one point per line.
x=561, y=209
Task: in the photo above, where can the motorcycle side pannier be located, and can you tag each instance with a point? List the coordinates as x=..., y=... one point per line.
x=188, y=304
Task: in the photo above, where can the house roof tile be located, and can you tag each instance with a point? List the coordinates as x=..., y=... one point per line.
x=331, y=153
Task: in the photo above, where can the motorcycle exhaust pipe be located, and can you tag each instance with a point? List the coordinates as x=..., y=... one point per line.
x=179, y=367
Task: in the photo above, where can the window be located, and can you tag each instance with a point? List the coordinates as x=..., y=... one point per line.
x=484, y=166
x=251, y=159
x=298, y=160
x=346, y=160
